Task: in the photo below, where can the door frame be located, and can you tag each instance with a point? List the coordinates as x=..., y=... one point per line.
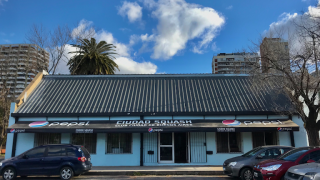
x=172, y=146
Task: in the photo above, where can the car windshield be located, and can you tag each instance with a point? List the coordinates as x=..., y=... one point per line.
x=293, y=155
x=252, y=152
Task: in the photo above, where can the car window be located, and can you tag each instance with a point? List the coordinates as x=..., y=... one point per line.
x=270, y=153
x=56, y=151
x=252, y=152
x=36, y=153
x=71, y=151
x=293, y=155
x=305, y=159
x=315, y=155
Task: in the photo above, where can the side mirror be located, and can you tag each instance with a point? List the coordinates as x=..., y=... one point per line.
x=25, y=156
x=259, y=157
x=311, y=161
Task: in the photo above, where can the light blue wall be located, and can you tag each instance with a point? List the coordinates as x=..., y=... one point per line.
x=252, y=117
x=9, y=135
x=300, y=137
x=116, y=118
x=102, y=159
x=62, y=118
x=284, y=138
x=65, y=138
x=94, y=118
x=32, y=119
x=25, y=141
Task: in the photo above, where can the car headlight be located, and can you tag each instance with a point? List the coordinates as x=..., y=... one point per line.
x=309, y=176
x=272, y=168
x=232, y=163
x=0, y=163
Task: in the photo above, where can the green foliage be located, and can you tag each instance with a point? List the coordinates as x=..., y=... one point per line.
x=92, y=58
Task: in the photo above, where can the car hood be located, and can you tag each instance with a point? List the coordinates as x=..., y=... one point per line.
x=10, y=159
x=271, y=162
x=302, y=169
x=235, y=159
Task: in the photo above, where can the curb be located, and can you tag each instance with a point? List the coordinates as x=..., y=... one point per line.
x=142, y=173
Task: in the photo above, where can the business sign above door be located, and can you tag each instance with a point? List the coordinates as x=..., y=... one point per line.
x=154, y=123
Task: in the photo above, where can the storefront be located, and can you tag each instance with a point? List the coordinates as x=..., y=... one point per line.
x=149, y=120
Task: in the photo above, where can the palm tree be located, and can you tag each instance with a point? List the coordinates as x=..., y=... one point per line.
x=93, y=58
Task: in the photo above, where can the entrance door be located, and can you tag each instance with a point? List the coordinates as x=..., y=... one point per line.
x=166, y=148
x=180, y=148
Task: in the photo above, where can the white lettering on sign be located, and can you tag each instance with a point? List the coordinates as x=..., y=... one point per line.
x=69, y=124
x=155, y=123
x=226, y=129
x=263, y=122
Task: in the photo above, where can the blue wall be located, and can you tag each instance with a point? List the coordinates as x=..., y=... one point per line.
x=25, y=141
x=10, y=135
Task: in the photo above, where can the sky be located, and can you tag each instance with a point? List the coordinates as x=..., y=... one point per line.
x=156, y=36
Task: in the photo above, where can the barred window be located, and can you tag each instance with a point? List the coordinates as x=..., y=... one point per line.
x=89, y=141
x=264, y=139
x=228, y=142
x=47, y=138
x=119, y=143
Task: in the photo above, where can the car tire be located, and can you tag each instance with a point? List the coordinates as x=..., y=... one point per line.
x=246, y=174
x=9, y=173
x=66, y=173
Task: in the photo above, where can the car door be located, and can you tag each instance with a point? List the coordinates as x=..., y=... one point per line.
x=32, y=162
x=55, y=157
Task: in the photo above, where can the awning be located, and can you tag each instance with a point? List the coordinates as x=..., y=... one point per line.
x=142, y=126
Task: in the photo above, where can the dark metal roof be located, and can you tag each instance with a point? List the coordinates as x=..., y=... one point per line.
x=201, y=94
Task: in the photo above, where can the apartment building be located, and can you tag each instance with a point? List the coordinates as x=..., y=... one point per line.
x=274, y=53
x=19, y=64
x=234, y=63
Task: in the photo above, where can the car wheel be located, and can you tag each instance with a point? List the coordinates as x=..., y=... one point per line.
x=66, y=173
x=246, y=174
x=9, y=173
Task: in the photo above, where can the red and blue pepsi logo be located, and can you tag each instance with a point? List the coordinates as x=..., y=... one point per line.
x=38, y=124
x=12, y=130
x=150, y=130
x=279, y=129
x=231, y=122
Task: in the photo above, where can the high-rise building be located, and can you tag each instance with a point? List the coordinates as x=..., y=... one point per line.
x=234, y=63
x=19, y=64
x=274, y=54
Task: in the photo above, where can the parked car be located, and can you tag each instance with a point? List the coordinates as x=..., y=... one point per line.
x=275, y=169
x=241, y=166
x=308, y=171
x=65, y=160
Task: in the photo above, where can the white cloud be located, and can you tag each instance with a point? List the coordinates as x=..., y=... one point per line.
x=1, y=1
x=126, y=64
x=129, y=66
x=132, y=10
x=84, y=29
x=180, y=22
x=229, y=7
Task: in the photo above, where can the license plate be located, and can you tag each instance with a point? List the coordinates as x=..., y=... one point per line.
x=224, y=168
x=255, y=174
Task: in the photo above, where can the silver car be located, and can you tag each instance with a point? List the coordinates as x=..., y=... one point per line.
x=308, y=171
x=241, y=166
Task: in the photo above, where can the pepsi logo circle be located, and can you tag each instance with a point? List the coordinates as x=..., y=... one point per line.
x=279, y=129
x=150, y=130
x=231, y=122
x=38, y=124
x=12, y=130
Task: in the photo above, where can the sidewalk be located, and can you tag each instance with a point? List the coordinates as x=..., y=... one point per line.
x=156, y=170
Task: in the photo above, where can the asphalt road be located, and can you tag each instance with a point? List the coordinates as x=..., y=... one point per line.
x=135, y=178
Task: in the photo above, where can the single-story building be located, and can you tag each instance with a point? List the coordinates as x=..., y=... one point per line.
x=150, y=120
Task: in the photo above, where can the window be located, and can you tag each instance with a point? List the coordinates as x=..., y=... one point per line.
x=56, y=151
x=89, y=141
x=315, y=155
x=47, y=138
x=118, y=143
x=36, y=153
x=228, y=142
x=272, y=153
x=71, y=151
x=264, y=139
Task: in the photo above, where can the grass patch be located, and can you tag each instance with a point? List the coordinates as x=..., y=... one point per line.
x=2, y=154
x=137, y=174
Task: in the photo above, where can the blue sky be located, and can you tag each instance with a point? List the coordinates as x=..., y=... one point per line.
x=165, y=36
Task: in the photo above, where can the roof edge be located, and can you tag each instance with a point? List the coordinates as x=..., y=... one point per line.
x=147, y=75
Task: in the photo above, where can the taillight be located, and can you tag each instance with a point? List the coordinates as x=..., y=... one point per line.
x=82, y=159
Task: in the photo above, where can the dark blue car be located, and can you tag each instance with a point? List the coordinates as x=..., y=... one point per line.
x=65, y=160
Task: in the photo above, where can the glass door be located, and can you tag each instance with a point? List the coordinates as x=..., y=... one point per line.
x=166, y=148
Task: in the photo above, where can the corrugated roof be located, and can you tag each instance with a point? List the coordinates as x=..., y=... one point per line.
x=147, y=95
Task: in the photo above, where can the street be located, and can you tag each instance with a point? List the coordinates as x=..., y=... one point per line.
x=136, y=178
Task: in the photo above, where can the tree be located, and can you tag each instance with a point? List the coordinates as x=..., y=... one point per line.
x=292, y=69
x=93, y=58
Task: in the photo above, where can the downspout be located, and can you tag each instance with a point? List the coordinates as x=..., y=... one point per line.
x=141, y=146
x=14, y=143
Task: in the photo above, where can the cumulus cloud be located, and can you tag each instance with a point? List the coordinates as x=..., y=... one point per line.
x=178, y=23
x=132, y=10
x=126, y=64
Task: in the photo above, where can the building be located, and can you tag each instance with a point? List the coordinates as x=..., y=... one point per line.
x=274, y=52
x=151, y=120
x=19, y=64
x=234, y=63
